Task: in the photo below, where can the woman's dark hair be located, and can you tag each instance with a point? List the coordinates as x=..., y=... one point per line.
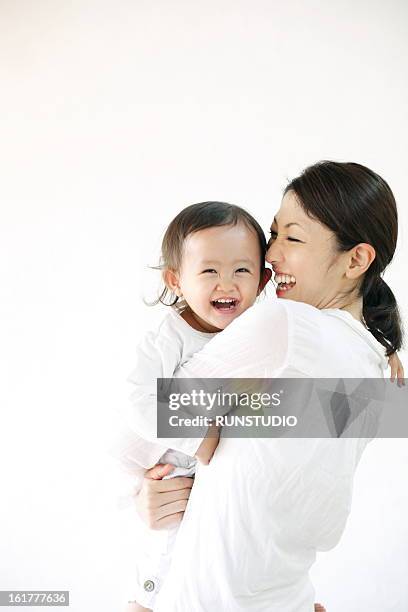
x=192, y=219
x=357, y=205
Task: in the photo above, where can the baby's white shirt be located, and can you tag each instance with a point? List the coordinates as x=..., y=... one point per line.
x=158, y=355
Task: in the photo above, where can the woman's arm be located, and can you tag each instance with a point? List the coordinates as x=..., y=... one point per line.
x=255, y=345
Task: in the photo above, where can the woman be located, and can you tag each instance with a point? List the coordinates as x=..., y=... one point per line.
x=263, y=507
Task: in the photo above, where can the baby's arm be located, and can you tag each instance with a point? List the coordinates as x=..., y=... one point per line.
x=137, y=447
x=158, y=356
x=132, y=450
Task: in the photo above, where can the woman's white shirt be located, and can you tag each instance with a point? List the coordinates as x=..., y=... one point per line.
x=260, y=510
x=276, y=338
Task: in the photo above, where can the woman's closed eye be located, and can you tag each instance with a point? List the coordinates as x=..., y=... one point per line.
x=274, y=235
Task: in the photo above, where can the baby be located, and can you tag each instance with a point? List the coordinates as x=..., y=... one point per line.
x=213, y=268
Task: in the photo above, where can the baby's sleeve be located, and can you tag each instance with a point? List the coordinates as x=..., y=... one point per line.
x=128, y=471
x=157, y=356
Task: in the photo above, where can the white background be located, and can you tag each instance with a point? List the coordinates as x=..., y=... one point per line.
x=114, y=116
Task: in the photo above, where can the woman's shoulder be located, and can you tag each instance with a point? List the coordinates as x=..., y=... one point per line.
x=299, y=309
x=320, y=342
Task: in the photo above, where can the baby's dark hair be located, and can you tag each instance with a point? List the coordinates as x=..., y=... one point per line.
x=192, y=219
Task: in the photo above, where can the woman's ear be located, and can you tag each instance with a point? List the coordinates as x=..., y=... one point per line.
x=172, y=280
x=361, y=258
x=266, y=277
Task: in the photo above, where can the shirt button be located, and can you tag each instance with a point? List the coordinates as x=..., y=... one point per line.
x=149, y=586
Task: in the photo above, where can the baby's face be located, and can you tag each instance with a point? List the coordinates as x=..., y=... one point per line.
x=220, y=274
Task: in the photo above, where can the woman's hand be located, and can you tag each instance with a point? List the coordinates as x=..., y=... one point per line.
x=161, y=503
x=397, y=369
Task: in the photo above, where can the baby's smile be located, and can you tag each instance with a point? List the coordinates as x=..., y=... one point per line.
x=226, y=304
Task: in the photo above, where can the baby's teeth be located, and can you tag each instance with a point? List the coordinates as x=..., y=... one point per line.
x=292, y=279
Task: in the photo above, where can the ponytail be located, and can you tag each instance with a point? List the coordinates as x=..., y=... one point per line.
x=381, y=314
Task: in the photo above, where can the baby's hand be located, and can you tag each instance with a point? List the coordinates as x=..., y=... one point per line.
x=397, y=369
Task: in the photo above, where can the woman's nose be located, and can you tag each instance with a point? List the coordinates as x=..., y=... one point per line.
x=274, y=253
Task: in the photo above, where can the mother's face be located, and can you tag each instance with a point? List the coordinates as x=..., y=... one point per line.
x=308, y=267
